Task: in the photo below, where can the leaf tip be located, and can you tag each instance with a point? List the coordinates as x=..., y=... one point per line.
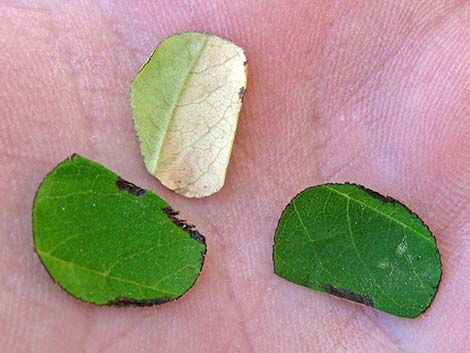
x=74, y=157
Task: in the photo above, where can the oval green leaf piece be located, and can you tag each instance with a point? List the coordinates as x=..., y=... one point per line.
x=354, y=243
x=185, y=102
x=107, y=241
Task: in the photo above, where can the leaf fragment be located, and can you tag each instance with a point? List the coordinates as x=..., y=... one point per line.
x=185, y=102
x=357, y=244
x=107, y=241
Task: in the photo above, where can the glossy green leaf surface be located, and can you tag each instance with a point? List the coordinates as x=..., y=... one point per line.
x=185, y=103
x=356, y=244
x=107, y=241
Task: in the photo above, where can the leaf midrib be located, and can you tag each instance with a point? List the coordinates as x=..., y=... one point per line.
x=154, y=162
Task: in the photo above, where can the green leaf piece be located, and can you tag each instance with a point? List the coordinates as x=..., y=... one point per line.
x=185, y=102
x=354, y=243
x=107, y=241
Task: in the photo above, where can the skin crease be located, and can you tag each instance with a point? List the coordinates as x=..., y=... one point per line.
x=376, y=93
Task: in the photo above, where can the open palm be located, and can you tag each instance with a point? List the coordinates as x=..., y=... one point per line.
x=376, y=93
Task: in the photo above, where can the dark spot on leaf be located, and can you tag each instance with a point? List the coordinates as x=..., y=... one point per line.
x=125, y=185
x=123, y=301
x=241, y=93
x=246, y=60
x=348, y=294
x=189, y=228
x=376, y=195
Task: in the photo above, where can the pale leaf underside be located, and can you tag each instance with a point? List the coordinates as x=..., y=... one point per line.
x=185, y=101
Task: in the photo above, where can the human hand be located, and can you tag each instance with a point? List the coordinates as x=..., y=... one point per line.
x=376, y=93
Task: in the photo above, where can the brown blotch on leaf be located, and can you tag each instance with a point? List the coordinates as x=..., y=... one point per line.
x=124, y=185
x=123, y=301
x=189, y=228
x=348, y=294
x=241, y=93
x=376, y=195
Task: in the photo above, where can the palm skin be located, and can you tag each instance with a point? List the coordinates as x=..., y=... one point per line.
x=376, y=93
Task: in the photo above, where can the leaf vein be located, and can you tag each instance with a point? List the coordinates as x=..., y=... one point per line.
x=106, y=275
x=348, y=218
x=380, y=212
